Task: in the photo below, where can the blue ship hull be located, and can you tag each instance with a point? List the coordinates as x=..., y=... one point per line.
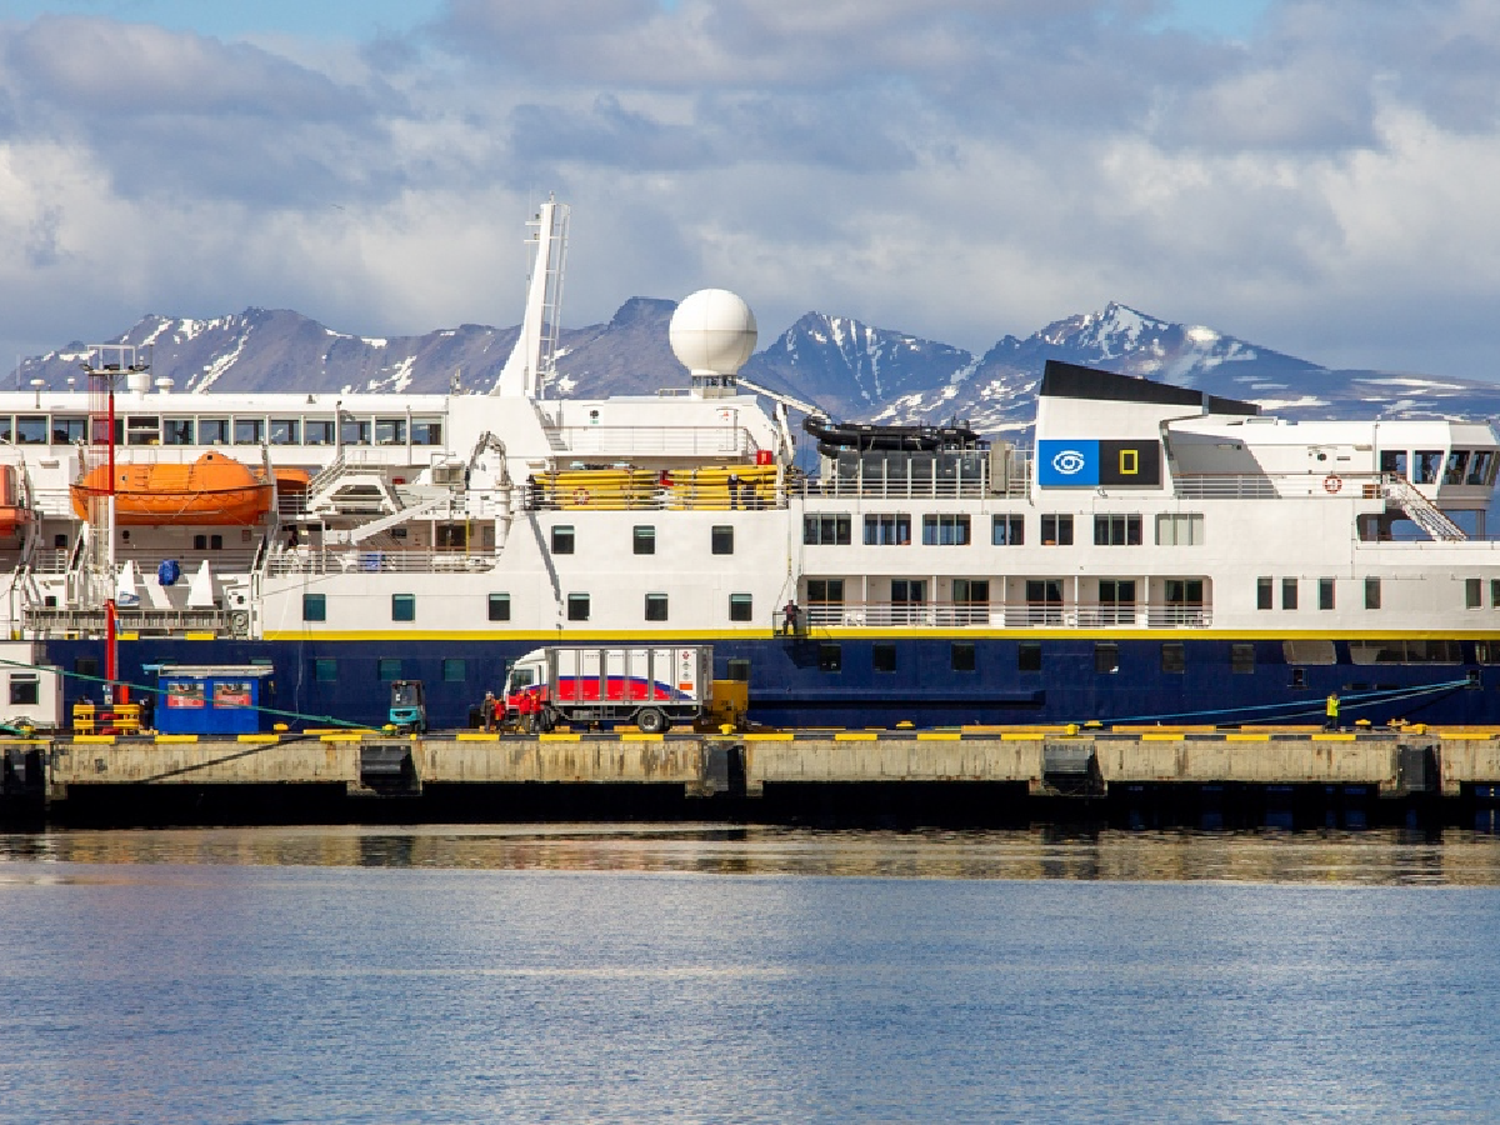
x=808, y=682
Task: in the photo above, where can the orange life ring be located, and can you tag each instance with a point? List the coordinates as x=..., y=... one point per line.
x=580, y=496
x=1332, y=483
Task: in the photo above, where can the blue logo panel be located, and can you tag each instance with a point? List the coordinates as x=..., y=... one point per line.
x=1067, y=464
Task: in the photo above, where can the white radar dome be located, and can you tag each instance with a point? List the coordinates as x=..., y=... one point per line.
x=712, y=332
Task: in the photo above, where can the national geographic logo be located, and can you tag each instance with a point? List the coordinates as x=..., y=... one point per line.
x=1091, y=464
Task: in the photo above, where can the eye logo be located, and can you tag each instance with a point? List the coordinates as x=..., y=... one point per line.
x=1069, y=462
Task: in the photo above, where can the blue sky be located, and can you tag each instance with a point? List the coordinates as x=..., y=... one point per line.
x=1314, y=176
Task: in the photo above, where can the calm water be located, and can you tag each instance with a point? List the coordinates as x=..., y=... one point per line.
x=705, y=974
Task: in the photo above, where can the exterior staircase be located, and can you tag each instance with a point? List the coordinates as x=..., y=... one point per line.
x=1422, y=511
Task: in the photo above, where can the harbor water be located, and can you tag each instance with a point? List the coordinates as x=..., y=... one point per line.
x=709, y=973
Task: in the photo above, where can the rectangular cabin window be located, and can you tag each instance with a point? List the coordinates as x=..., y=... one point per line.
x=643, y=541
x=827, y=530
x=722, y=539
x=68, y=429
x=354, y=431
x=1106, y=657
x=403, y=607
x=499, y=607
x=1265, y=593
x=738, y=671
x=1495, y=593
x=249, y=431
x=909, y=591
x=1116, y=601
x=1472, y=593
x=143, y=430
x=1372, y=593
x=25, y=689
x=1173, y=657
x=178, y=431
x=319, y=431
x=741, y=607
x=390, y=431
x=1458, y=467
x=1288, y=593
x=1242, y=659
x=314, y=607
x=1029, y=656
x=562, y=539
x=1487, y=652
x=1117, y=531
x=971, y=591
x=31, y=430
x=6, y=428
x=455, y=670
x=945, y=530
x=578, y=607
x=325, y=670
x=1429, y=461
x=1179, y=529
x=1008, y=531
x=388, y=668
x=961, y=656
x=286, y=431
x=1325, y=593
x=427, y=431
x=825, y=590
x=883, y=658
x=656, y=607
x=888, y=529
x=1393, y=461
x=213, y=431
x=1057, y=530
x=830, y=658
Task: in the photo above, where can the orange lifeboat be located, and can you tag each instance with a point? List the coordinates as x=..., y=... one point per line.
x=13, y=515
x=213, y=490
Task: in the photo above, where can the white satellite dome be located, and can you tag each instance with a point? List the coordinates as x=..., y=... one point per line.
x=712, y=332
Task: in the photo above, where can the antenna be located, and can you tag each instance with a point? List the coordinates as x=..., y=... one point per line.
x=532, y=361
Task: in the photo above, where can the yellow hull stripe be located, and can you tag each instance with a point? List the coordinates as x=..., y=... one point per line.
x=635, y=637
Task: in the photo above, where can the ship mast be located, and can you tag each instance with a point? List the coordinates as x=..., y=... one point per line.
x=531, y=362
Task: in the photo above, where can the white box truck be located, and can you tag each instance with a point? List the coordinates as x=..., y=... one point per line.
x=652, y=686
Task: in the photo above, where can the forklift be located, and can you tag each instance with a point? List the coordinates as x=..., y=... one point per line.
x=408, y=707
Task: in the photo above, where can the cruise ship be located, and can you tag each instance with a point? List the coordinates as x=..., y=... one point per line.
x=1156, y=556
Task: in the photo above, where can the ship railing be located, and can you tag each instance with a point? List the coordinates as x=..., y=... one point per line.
x=993, y=615
x=64, y=621
x=50, y=560
x=841, y=488
x=232, y=560
x=306, y=560
x=679, y=496
x=55, y=502
x=1278, y=486
x=673, y=441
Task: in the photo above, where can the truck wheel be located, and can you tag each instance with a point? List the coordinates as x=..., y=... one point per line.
x=651, y=721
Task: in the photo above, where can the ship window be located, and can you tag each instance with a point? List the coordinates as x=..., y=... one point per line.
x=1479, y=466
x=888, y=529
x=1106, y=657
x=1288, y=593
x=741, y=607
x=314, y=607
x=86, y=667
x=319, y=432
x=1264, y=593
x=830, y=658
x=827, y=531
x=1242, y=659
x=1117, y=531
x=1173, y=657
x=213, y=431
x=499, y=607
x=1308, y=652
x=1372, y=593
x=5, y=421
x=738, y=671
x=354, y=431
x=390, y=431
x=1428, y=462
x=248, y=431
x=177, y=431
x=1393, y=461
x=31, y=430
x=325, y=670
x=25, y=689
x=403, y=607
x=1325, y=593
x=455, y=670
x=909, y=591
x=143, y=431
x=1116, y=601
x=1472, y=589
x=656, y=607
x=1458, y=465
x=215, y=542
x=388, y=668
x=578, y=607
x=971, y=591
x=883, y=658
x=1179, y=529
x=68, y=429
x=1008, y=531
x=285, y=431
x=1029, y=656
x=722, y=539
x=645, y=540
x=100, y=430
x=1487, y=652
x=945, y=530
x=426, y=431
x=1494, y=591
x=961, y=656
x=1183, y=591
x=562, y=539
x=1057, y=531
x=825, y=590
x=1407, y=652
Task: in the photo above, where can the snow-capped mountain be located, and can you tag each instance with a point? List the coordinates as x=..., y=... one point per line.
x=853, y=370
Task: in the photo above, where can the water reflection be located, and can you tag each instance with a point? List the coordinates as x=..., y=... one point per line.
x=1388, y=856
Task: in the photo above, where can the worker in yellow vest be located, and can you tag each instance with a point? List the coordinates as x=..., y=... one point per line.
x=1331, y=710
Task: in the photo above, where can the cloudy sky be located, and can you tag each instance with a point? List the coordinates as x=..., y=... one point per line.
x=1317, y=176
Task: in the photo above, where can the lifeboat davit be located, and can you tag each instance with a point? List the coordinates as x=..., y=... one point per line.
x=213, y=490
x=13, y=514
